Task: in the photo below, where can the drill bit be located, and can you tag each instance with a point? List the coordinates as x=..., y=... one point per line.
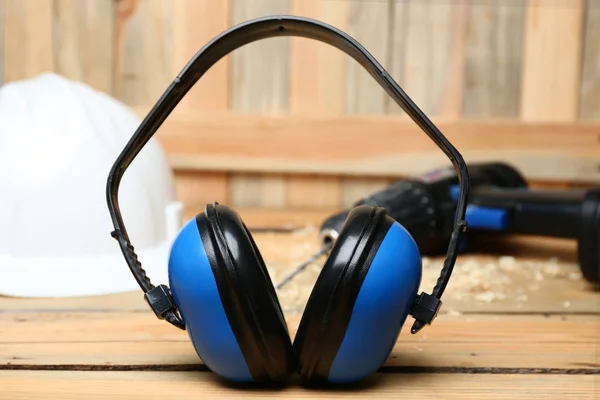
x=305, y=264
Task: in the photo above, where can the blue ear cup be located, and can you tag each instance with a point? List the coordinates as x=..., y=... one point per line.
x=360, y=301
x=226, y=299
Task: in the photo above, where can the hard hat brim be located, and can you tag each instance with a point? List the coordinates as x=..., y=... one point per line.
x=79, y=276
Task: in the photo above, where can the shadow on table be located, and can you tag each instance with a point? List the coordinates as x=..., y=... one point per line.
x=377, y=380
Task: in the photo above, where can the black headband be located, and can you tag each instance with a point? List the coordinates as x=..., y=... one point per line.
x=159, y=298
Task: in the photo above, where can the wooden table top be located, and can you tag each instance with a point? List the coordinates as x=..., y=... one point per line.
x=518, y=324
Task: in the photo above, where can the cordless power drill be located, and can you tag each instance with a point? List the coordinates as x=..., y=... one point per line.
x=499, y=203
x=425, y=206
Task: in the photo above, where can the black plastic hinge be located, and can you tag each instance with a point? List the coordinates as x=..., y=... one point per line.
x=161, y=302
x=424, y=310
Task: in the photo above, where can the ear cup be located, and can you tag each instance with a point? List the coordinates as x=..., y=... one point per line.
x=228, y=303
x=360, y=301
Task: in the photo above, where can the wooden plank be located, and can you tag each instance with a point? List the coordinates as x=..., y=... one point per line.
x=451, y=103
x=144, y=66
x=196, y=189
x=474, y=341
x=313, y=191
x=551, y=60
x=354, y=189
x=590, y=80
x=369, y=24
x=427, y=58
x=317, y=83
x=304, y=64
x=211, y=92
x=260, y=69
x=164, y=385
x=83, y=36
x=253, y=190
x=195, y=23
x=259, y=83
x=317, y=86
x=493, y=59
x=28, y=46
x=395, y=147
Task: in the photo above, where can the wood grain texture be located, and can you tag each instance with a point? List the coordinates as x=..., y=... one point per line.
x=211, y=92
x=493, y=59
x=259, y=70
x=304, y=64
x=257, y=190
x=195, y=23
x=317, y=86
x=368, y=23
x=144, y=44
x=396, y=147
x=552, y=49
x=313, y=191
x=355, y=188
x=164, y=385
x=260, y=84
x=590, y=80
x=28, y=44
x=196, y=189
x=317, y=83
x=83, y=40
x=136, y=339
x=427, y=54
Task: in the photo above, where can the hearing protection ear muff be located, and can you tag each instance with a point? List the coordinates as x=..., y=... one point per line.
x=221, y=290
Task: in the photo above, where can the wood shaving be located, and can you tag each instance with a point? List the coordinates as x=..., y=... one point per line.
x=522, y=297
x=507, y=263
x=575, y=276
x=488, y=297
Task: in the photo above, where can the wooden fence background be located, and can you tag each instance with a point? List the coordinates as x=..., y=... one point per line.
x=534, y=65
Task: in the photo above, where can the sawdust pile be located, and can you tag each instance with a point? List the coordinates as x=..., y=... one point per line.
x=483, y=279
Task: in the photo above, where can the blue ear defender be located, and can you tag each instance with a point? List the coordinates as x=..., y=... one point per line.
x=361, y=299
x=219, y=288
x=222, y=288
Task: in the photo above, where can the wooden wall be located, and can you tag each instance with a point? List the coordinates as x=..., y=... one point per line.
x=535, y=63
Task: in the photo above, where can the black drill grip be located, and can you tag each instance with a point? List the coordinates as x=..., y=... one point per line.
x=551, y=213
x=408, y=202
x=567, y=214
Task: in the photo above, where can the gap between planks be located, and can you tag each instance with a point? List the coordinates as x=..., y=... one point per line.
x=18, y=385
x=393, y=369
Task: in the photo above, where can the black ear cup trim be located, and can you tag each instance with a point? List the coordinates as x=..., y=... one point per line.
x=247, y=294
x=329, y=307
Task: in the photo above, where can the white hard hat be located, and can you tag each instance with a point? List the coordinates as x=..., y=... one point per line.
x=58, y=141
